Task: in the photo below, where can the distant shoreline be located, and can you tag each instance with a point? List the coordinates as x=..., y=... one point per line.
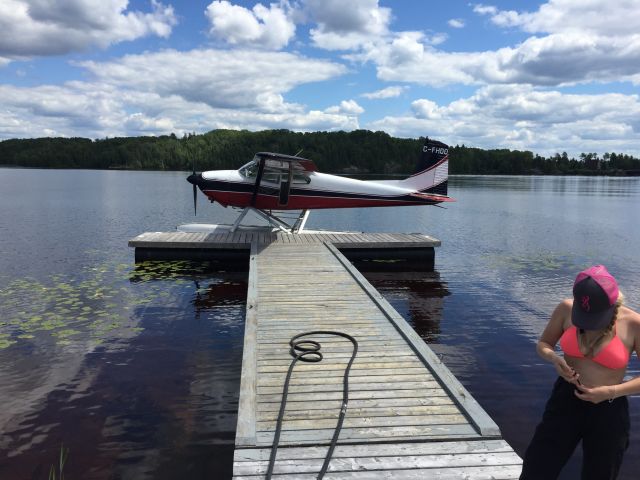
x=358, y=152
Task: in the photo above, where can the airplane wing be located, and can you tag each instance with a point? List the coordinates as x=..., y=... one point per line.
x=281, y=161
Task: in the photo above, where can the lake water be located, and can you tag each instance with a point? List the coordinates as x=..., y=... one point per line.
x=134, y=370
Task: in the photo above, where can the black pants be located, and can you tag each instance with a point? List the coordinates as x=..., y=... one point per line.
x=603, y=429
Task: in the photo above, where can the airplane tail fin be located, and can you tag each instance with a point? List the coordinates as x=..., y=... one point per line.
x=432, y=170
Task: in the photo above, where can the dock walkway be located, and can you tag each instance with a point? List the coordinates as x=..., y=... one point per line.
x=408, y=416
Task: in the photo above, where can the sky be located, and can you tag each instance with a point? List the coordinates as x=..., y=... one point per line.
x=548, y=77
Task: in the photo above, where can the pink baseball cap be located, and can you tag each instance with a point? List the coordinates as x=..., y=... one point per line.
x=595, y=293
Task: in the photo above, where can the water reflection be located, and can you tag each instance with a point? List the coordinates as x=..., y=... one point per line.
x=416, y=296
x=590, y=186
x=159, y=405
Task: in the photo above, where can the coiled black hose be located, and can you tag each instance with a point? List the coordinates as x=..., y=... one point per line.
x=309, y=351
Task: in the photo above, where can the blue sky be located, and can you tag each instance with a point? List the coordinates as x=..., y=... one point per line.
x=549, y=77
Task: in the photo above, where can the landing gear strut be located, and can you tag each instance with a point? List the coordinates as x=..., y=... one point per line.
x=273, y=220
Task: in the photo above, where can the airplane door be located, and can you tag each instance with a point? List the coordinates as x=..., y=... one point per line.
x=285, y=187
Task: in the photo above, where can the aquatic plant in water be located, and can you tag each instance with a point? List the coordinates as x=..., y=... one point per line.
x=99, y=302
x=64, y=454
x=534, y=261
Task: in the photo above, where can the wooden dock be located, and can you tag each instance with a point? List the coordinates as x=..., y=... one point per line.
x=369, y=251
x=408, y=416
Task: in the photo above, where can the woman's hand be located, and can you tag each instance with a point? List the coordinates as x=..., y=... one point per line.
x=594, y=394
x=565, y=371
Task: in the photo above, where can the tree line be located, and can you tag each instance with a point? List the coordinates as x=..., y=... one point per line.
x=355, y=152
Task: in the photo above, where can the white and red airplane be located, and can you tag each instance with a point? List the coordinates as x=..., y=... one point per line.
x=273, y=181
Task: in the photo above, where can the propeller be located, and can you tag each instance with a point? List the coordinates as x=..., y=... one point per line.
x=195, y=191
x=195, y=198
x=193, y=179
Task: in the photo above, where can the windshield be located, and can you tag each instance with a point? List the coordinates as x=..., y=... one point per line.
x=250, y=169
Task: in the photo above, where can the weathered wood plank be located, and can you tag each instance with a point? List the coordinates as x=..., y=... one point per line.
x=506, y=472
x=370, y=434
x=246, y=426
x=365, y=422
x=321, y=404
x=376, y=450
x=364, y=394
x=337, y=378
x=332, y=412
x=374, y=386
x=300, y=466
x=281, y=353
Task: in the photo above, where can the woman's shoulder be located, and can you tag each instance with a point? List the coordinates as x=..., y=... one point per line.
x=630, y=316
x=565, y=306
x=631, y=320
x=562, y=313
x=567, y=303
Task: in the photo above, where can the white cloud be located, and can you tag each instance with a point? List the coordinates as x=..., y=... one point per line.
x=94, y=111
x=586, y=41
x=456, y=23
x=424, y=108
x=346, y=107
x=578, y=49
x=341, y=27
x=262, y=27
x=557, y=59
x=485, y=9
x=218, y=78
x=178, y=92
x=388, y=92
x=526, y=118
x=619, y=18
x=47, y=27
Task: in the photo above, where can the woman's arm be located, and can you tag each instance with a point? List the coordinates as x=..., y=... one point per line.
x=552, y=333
x=608, y=392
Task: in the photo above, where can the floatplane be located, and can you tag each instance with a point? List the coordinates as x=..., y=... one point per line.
x=272, y=183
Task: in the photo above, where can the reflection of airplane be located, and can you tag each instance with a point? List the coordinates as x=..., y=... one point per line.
x=272, y=181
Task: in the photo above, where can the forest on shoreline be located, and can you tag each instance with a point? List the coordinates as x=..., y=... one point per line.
x=355, y=152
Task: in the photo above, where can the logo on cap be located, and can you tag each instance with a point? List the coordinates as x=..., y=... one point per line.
x=585, y=303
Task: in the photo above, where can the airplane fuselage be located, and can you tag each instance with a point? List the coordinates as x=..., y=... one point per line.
x=314, y=190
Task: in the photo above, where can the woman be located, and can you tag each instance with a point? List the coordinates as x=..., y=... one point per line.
x=597, y=335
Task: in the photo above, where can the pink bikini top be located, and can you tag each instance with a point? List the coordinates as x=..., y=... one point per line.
x=613, y=355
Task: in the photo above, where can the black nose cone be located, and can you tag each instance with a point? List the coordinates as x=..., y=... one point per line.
x=193, y=178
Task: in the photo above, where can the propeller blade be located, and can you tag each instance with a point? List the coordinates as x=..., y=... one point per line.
x=195, y=199
x=193, y=180
x=195, y=190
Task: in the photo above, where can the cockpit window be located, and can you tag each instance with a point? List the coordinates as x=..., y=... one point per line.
x=272, y=173
x=250, y=170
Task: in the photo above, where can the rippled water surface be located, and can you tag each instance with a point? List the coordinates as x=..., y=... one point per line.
x=135, y=369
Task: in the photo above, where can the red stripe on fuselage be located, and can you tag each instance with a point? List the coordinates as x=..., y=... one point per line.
x=296, y=202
